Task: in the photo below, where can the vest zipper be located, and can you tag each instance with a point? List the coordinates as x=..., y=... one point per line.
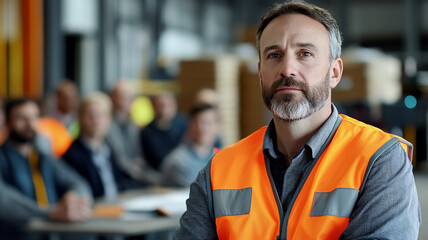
x=278, y=202
x=286, y=215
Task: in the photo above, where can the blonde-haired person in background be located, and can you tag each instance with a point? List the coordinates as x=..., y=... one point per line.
x=91, y=155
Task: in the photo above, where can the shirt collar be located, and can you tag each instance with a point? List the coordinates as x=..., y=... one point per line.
x=104, y=148
x=319, y=138
x=315, y=143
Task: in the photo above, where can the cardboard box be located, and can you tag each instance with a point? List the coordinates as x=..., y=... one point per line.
x=374, y=80
x=221, y=74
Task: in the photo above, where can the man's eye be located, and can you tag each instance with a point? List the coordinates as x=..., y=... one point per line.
x=273, y=55
x=305, y=54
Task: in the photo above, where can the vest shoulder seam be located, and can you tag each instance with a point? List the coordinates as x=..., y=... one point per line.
x=384, y=148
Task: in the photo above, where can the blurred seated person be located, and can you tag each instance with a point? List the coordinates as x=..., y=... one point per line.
x=182, y=165
x=91, y=155
x=165, y=132
x=32, y=184
x=124, y=136
x=210, y=96
x=67, y=101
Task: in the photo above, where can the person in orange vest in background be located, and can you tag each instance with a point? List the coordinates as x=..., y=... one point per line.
x=312, y=173
x=59, y=137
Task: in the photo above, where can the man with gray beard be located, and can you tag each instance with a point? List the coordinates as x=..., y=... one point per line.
x=283, y=104
x=311, y=173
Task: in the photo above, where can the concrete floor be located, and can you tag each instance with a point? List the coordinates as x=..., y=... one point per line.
x=422, y=185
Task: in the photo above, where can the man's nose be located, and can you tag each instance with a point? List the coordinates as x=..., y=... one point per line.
x=288, y=66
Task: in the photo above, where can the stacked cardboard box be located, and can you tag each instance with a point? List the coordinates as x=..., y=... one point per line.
x=220, y=74
x=353, y=85
x=375, y=80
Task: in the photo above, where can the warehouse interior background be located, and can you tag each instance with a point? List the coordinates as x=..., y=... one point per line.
x=186, y=45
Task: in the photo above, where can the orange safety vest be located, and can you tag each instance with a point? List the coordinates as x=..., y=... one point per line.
x=57, y=134
x=246, y=204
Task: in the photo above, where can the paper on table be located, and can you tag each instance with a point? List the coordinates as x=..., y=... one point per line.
x=172, y=203
x=130, y=216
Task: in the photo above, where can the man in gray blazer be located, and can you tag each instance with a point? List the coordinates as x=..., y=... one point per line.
x=124, y=137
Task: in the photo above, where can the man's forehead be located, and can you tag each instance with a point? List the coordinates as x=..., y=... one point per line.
x=295, y=27
x=97, y=106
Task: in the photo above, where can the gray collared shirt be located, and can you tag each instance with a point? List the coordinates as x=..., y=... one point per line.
x=387, y=208
x=292, y=175
x=182, y=165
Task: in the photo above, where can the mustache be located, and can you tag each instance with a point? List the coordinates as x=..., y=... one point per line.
x=288, y=82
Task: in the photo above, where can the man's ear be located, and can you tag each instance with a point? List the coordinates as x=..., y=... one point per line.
x=258, y=70
x=336, y=72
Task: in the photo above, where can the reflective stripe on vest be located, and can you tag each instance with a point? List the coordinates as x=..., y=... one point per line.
x=245, y=202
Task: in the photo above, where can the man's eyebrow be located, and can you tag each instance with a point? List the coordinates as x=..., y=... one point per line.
x=268, y=48
x=306, y=45
x=299, y=44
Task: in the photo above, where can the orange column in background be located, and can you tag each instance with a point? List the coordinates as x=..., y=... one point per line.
x=15, y=50
x=3, y=59
x=32, y=15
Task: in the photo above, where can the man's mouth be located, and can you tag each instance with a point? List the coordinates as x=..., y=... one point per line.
x=287, y=89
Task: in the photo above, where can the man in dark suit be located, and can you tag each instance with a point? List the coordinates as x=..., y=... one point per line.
x=32, y=184
x=165, y=132
x=91, y=155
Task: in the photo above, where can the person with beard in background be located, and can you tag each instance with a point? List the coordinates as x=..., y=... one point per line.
x=312, y=173
x=33, y=184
